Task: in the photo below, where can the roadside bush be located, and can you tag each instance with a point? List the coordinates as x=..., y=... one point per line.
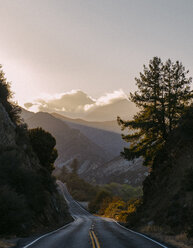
x=123, y=191
x=100, y=202
x=14, y=213
x=28, y=193
x=78, y=187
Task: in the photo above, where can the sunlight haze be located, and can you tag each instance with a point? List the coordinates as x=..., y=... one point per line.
x=51, y=47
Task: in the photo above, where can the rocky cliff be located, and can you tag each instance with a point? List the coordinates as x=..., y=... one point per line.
x=28, y=196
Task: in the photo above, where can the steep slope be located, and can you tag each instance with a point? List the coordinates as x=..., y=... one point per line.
x=97, y=150
x=111, y=142
x=26, y=203
x=168, y=190
x=71, y=143
x=25, y=114
x=121, y=171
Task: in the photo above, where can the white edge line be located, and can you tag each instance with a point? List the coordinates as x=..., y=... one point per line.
x=77, y=203
x=47, y=234
x=140, y=234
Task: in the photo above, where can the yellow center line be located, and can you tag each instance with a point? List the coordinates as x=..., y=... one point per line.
x=93, y=243
x=96, y=240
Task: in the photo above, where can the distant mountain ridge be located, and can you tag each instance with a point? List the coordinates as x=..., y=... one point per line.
x=110, y=142
x=92, y=111
x=104, y=125
x=96, y=149
x=71, y=143
x=123, y=108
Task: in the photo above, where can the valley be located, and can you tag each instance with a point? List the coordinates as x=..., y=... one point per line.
x=96, y=147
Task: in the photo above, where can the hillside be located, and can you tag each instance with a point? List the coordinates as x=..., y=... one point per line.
x=104, y=125
x=28, y=196
x=168, y=190
x=71, y=143
x=121, y=171
x=123, y=108
x=97, y=150
x=98, y=132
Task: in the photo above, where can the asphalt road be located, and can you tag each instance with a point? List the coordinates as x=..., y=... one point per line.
x=88, y=231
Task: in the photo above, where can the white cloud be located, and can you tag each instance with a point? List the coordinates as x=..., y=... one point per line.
x=75, y=101
x=107, y=99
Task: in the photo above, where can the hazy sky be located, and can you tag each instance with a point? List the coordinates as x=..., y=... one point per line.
x=98, y=46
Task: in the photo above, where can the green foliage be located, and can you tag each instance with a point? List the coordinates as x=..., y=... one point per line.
x=109, y=202
x=124, y=191
x=100, y=202
x=14, y=214
x=28, y=191
x=43, y=144
x=78, y=188
x=5, y=96
x=162, y=97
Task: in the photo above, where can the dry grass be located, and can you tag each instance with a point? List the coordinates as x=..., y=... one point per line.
x=165, y=235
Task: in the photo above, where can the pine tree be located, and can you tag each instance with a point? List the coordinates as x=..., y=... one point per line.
x=162, y=96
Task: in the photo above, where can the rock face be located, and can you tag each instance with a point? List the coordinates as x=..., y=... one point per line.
x=119, y=170
x=17, y=156
x=168, y=190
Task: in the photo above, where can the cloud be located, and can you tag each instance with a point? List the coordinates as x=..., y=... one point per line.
x=108, y=98
x=75, y=101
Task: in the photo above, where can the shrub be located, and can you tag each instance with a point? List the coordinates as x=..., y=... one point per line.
x=14, y=213
x=43, y=144
x=5, y=95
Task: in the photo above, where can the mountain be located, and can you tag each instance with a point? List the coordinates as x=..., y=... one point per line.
x=104, y=125
x=109, y=141
x=100, y=113
x=71, y=143
x=25, y=114
x=29, y=200
x=123, y=108
x=119, y=170
x=96, y=149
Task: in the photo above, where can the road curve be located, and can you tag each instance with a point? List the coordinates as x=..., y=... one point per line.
x=88, y=231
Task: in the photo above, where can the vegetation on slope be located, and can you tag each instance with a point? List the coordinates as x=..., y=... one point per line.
x=163, y=136
x=168, y=190
x=111, y=200
x=28, y=193
x=162, y=97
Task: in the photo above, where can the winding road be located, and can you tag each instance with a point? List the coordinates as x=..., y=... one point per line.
x=88, y=231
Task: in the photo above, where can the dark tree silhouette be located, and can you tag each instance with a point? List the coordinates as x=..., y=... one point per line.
x=162, y=96
x=43, y=144
x=5, y=98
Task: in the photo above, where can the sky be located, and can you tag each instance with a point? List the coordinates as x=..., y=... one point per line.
x=50, y=48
